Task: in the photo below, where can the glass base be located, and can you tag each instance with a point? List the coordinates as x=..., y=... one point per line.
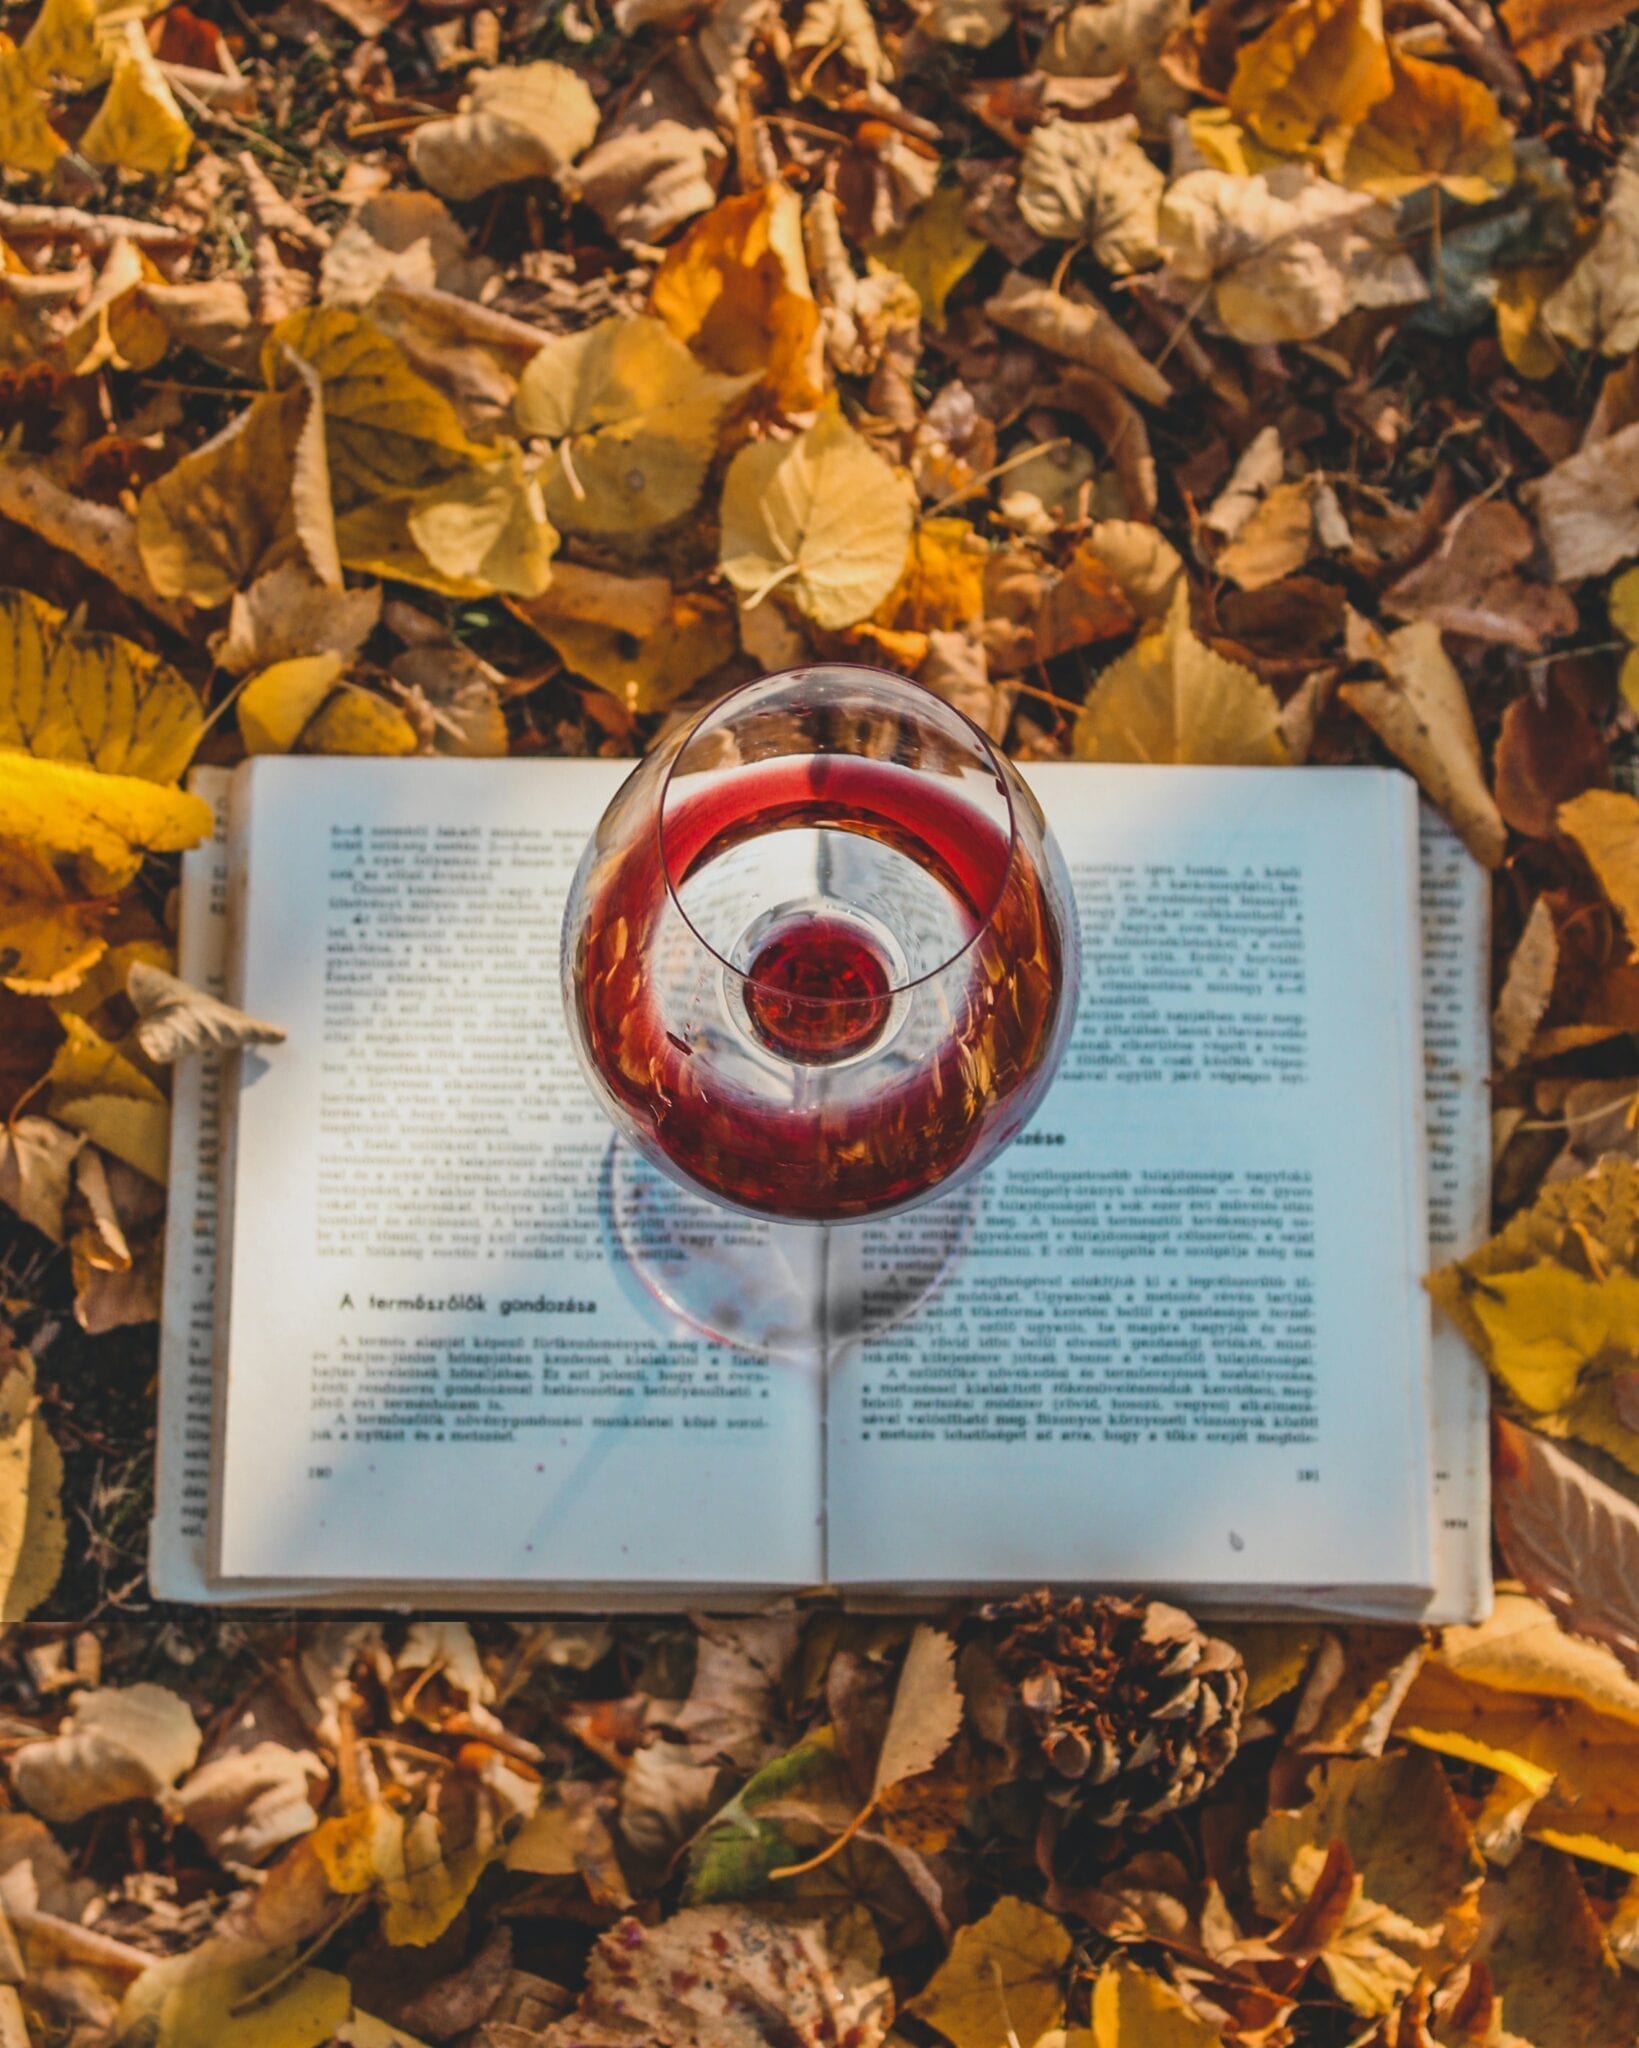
x=788, y=1291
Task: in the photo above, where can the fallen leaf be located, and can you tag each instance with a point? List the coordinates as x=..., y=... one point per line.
x=1548, y=1960
x=969, y=24
x=1282, y=255
x=233, y=2002
x=275, y=705
x=1004, y=1975
x=106, y=823
x=33, y=1535
x=1571, y=1540
x=1106, y=38
x=36, y=1162
x=1526, y=989
x=1091, y=181
x=139, y=126
x=655, y=166
x=1587, y=507
x=28, y=142
x=1598, y=304
x=790, y=1803
x=646, y=666
x=359, y=722
x=735, y=288
x=1438, y=127
x=1549, y=750
x=1134, y=2008
x=1076, y=328
x=518, y=121
x=739, y=1670
x=174, y=1018
x=1421, y=714
x=1605, y=825
x=1260, y=466
x=1541, y=31
x=48, y=939
x=933, y=250
x=1088, y=602
x=635, y=418
x=289, y=614
x=722, y=1976
x=130, y=1742
x=1171, y=698
x=1553, y=1337
x=248, y=1802
x=1276, y=540
x=823, y=513
x=1469, y=585
x=1314, y=74
x=840, y=28
x=67, y=694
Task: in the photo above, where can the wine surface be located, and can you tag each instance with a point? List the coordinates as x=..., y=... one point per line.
x=713, y=1032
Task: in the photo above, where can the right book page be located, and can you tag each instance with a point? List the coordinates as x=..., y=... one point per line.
x=1188, y=1342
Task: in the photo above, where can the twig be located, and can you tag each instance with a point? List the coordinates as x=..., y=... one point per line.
x=79, y=1944
x=28, y=223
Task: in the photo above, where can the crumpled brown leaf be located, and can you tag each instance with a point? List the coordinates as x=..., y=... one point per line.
x=117, y=1744
x=518, y=121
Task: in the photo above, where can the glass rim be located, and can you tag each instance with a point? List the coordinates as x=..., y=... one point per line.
x=989, y=753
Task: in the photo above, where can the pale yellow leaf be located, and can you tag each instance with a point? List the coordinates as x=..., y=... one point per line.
x=33, y=1536
x=139, y=126
x=1134, y=2008
x=36, y=1162
x=927, y=1710
x=1091, y=181
x=1171, y=698
x=274, y=706
x=933, y=251
x=116, y=1744
x=174, y=1017
x=1598, y=304
x=518, y=121
x=1605, y=825
x=1004, y=1973
x=824, y=514
x=1526, y=988
x=486, y=528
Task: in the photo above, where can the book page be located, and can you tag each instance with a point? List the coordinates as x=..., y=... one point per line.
x=1187, y=1343
x=439, y=1367
x=1456, y=900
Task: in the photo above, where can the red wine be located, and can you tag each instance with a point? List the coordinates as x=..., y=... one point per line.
x=953, y=1065
x=817, y=990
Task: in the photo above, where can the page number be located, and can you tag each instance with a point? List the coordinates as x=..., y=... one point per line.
x=321, y=1471
x=1308, y=1475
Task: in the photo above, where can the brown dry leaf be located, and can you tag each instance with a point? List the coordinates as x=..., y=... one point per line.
x=245, y=1803
x=839, y=28
x=1143, y=562
x=1091, y=181
x=36, y=1162
x=1526, y=989
x=33, y=1537
x=1088, y=602
x=1437, y=127
x=1549, y=750
x=1004, y=1974
x=1605, y=825
x=1281, y=255
x=1421, y=714
x=1104, y=38
x=123, y=1743
x=400, y=238
x=729, y=1977
x=1548, y=1960
x=1569, y=1538
x=48, y=939
x=174, y=1018
x=1313, y=75
x=519, y=121
x=1598, y=304
x=1260, y=466
x=927, y=1711
x=1470, y=583
x=1587, y=507
x=635, y=418
x=1417, y=1872
x=654, y=167
x=735, y=288
x=1276, y=540
x=1171, y=698
x=1541, y=31
x=823, y=513
x=289, y=613
x=1080, y=330
x=646, y=664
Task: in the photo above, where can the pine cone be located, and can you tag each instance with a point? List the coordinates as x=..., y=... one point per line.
x=1134, y=1710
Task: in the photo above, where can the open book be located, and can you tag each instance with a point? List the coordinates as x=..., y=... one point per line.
x=1187, y=1347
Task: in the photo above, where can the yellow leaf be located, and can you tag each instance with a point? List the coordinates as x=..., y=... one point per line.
x=36, y=1161
x=646, y=667
x=1004, y=1976
x=105, y=822
x=66, y=42
x=1549, y=1961
x=517, y=121
x=97, y=1090
x=47, y=941
x=635, y=417
x=1523, y=291
x=422, y=1880
x=933, y=251
x=1605, y=825
x=353, y=1847
x=223, y=2005
x=735, y=288
x=1437, y=127
x=33, y=1536
x=1171, y=698
x=1546, y=1325
x=116, y=325
x=1422, y=715
x=1226, y=145
x=823, y=513
x=357, y=722
x=70, y=695
x=275, y=705
x=28, y=142
x=942, y=586
x=485, y=529
x=1134, y=2008
x=1318, y=69
x=139, y=126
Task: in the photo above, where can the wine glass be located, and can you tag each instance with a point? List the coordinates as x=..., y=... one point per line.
x=820, y=961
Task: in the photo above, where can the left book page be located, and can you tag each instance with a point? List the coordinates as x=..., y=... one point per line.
x=436, y=1368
